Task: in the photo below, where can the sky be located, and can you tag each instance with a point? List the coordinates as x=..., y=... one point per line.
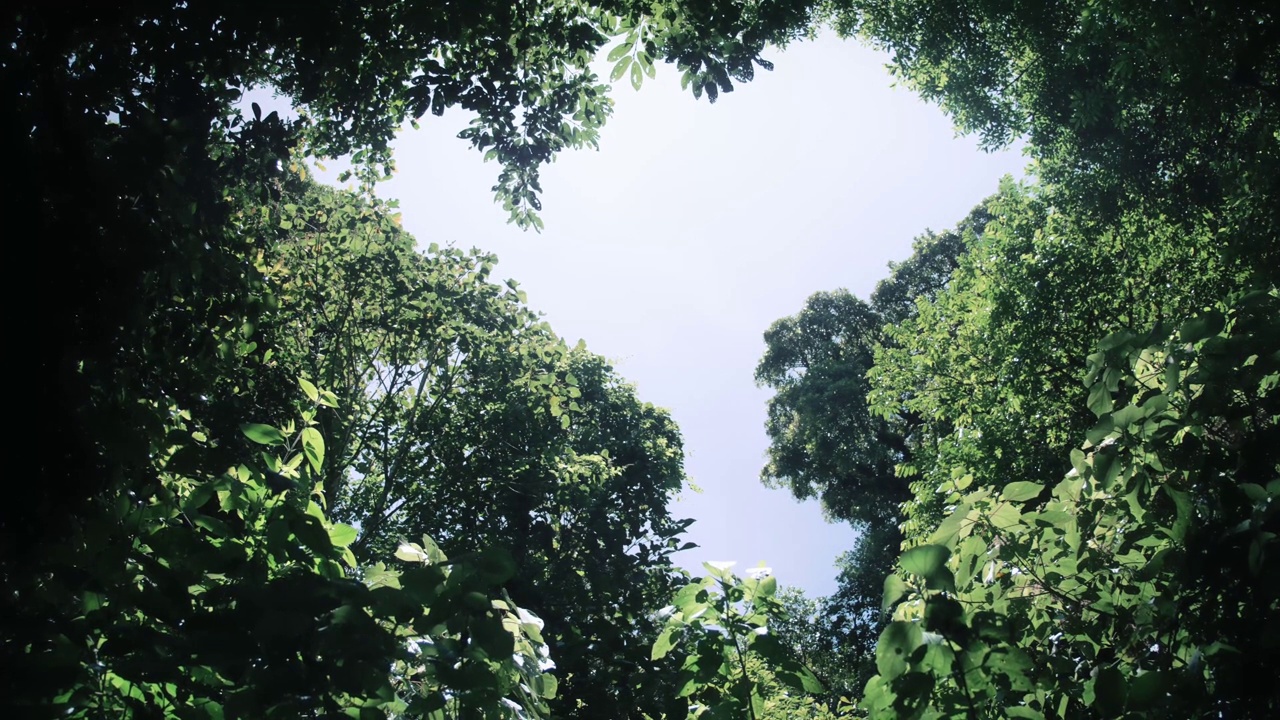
x=692, y=229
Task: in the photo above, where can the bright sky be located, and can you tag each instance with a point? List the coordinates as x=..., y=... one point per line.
x=695, y=226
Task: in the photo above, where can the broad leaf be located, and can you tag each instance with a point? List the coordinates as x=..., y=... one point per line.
x=262, y=434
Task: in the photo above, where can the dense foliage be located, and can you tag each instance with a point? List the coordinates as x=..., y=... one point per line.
x=1095, y=548
x=207, y=288
x=1074, y=548
x=292, y=466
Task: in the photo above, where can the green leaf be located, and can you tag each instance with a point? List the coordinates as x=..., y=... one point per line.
x=925, y=560
x=620, y=69
x=1005, y=516
x=721, y=570
x=1199, y=328
x=549, y=686
x=943, y=579
x=1185, y=512
x=1109, y=692
x=313, y=447
x=1021, y=491
x=490, y=635
x=1117, y=339
x=793, y=674
x=1078, y=461
x=637, y=76
x=411, y=552
x=1099, y=432
x=949, y=530
x=768, y=587
x=262, y=434
x=198, y=497
x=496, y=564
x=312, y=393
x=1147, y=691
x=1254, y=491
x=312, y=534
x=1099, y=399
x=434, y=553
x=1107, y=467
x=618, y=51
x=663, y=644
x=895, y=646
x=1128, y=415
x=688, y=597
x=944, y=615
x=341, y=535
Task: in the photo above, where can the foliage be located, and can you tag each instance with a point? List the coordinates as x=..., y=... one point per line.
x=988, y=369
x=1137, y=584
x=235, y=595
x=927, y=272
x=824, y=440
x=464, y=416
x=1166, y=109
x=132, y=157
x=835, y=636
x=827, y=440
x=717, y=628
x=419, y=376
x=852, y=616
x=193, y=541
x=1153, y=127
x=324, y=284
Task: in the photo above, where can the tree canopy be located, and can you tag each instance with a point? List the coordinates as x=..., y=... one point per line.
x=1057, y=546
x=292, y=466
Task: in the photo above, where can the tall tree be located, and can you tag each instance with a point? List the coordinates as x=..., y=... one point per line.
x=827, y=439
x=989, y=369
x=127, y=141
x=461, y=415
x=824, y=440
x=1112, y=589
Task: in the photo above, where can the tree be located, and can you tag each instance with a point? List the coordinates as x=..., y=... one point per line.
x=1153, y=130
x=1117, y=588
x=989, y=368
x=934, y=259
x=466, y=418
x=434, y=402
x=230, y=594
x=1165, y=110
x=824, y=441
x=165, y=201
x=729, y=663
x=128, y=144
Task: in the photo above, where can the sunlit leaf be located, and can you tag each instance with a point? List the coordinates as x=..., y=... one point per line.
x=313, y=447
x=262, y=434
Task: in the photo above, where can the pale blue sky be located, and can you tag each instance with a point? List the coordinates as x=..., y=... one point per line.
x=696, y=226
